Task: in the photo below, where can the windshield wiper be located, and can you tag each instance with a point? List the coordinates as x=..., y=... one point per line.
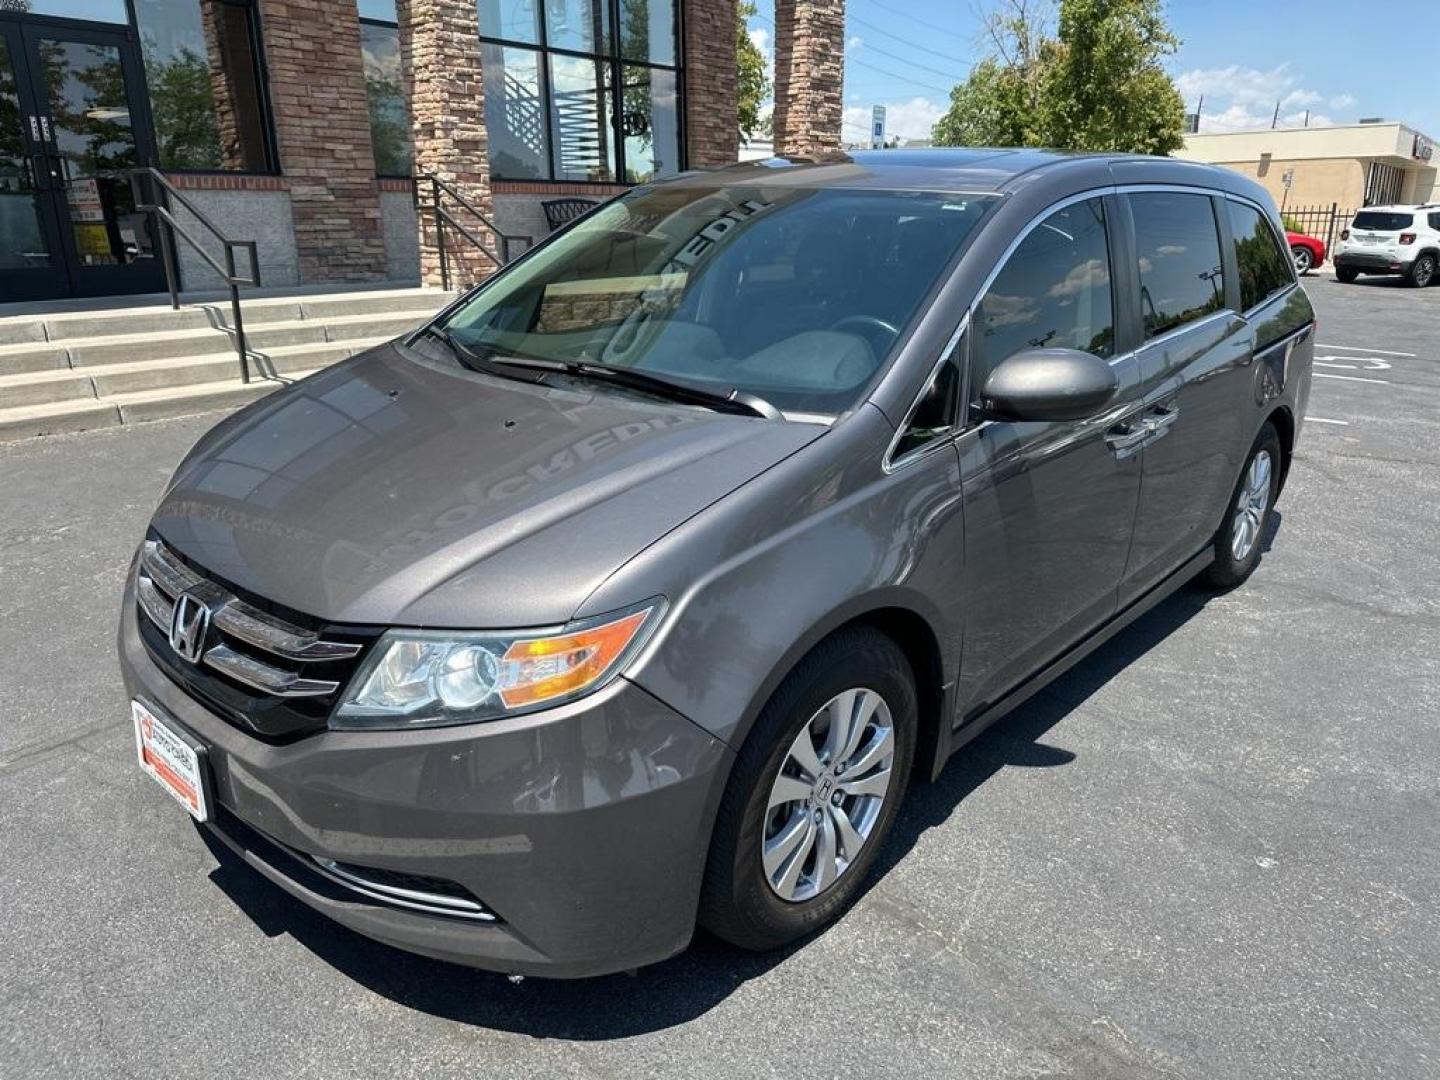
x=732, y=400
x=504, y=367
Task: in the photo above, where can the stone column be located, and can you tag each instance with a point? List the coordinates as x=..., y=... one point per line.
x=445, y=89
x=322, y=123
x=809, y=75
x=712, y=106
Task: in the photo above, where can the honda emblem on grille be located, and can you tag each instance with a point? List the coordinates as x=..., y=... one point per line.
x=189, y=624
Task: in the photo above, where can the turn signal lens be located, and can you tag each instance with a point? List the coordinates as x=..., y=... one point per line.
x=420, y=678
x=536, y=671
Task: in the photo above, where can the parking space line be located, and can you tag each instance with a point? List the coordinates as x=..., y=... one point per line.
x=1350, y=378
x=1323, y=420
x=1367, y=349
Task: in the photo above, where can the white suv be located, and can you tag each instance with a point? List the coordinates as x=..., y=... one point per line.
x=1401, y=240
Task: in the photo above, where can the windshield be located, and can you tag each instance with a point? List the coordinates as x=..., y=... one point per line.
x=1384, y=221
x=794, y=294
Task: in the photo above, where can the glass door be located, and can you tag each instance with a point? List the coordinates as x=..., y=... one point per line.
x=83, y=123
x=30, y=262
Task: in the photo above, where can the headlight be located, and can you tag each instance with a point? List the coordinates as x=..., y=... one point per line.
x=430, y=678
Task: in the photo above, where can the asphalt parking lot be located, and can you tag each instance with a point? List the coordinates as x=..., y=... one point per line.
x=1208, y=852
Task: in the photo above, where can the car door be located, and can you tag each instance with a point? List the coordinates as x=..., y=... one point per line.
x=1199, y=351
x=1048, y=507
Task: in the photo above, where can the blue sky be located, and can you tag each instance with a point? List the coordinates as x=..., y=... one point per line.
x=1329, y=56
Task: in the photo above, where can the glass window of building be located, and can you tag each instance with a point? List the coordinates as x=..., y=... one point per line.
x=581, y=90
x=202, y=70
x=111, y=11
x=390, y=133
x=515, y=113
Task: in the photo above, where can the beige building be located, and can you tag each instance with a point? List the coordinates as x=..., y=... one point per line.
x=1351, y=165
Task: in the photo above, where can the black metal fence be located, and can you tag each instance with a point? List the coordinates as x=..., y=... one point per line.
x=1322, y=222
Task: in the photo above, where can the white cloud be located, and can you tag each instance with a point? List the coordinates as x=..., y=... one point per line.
x=1241, y=98
x=911, y=119
x=760, y=37
x=854, y=43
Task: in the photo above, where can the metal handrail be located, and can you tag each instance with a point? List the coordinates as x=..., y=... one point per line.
x=163, y=216
x=439, y=189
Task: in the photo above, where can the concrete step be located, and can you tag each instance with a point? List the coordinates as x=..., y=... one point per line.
x=30, y=356
x=188, y=400
x=108, y=318
x=23, y=356
x=57, y=418
x=68, y=384
x=136, y=407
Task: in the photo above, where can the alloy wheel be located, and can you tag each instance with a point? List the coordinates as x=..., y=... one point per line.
x=1424, y=271
x=828, y=795
x=1303, y=259
x=1250, y=507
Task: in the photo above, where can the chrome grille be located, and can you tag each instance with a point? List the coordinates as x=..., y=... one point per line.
x=250, y=647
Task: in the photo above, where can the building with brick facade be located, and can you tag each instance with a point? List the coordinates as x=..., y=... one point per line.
x=311, y=126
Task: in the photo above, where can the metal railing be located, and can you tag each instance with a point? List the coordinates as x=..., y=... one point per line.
x=1322, y=222
x=431, y=195
x=172, y=228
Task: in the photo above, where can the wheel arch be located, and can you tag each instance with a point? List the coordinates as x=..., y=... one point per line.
x=900, y=616
x=1283, y=420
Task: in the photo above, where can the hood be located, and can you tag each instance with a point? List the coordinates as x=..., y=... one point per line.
x=398, y=490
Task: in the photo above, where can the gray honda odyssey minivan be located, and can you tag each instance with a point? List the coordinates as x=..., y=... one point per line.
x=635, y=589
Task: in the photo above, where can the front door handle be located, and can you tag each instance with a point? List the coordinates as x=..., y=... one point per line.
x=1126, y=438
x=1158, y=419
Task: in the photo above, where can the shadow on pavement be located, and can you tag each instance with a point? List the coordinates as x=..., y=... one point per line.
x=689, y=985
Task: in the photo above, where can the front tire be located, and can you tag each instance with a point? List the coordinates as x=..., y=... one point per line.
x=815, y=789
x=1422, y=271
x=1346, y=275
x=1242, y=533
x=1304, y=259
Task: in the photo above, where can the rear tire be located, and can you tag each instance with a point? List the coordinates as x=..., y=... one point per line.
x=1304, y=259
x=1346, y=275
x=1247, y=517
x=1422, y=271
x=761, y=890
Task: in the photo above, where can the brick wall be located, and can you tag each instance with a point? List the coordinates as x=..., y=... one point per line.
x=440, y=60
x=712, y=123
x=809, y=75
x=322, y=123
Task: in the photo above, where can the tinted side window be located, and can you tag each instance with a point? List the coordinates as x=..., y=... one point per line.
x=1435, y=221
x=1054, y=291
x=1264, y=268
x=1179, y=252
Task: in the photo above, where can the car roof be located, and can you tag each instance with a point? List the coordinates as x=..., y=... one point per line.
x=974, y=170
x=1396, y=208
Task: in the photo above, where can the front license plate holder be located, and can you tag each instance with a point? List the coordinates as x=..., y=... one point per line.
x=174, y=758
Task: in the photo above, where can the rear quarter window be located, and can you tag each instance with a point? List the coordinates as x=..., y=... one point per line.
x=1264, y=266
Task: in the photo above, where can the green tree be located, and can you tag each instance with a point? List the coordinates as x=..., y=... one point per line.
x=1106, y=88
x=754, y=85
x=1098, y=84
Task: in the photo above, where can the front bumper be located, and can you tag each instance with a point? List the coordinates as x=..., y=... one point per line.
x=584, y=829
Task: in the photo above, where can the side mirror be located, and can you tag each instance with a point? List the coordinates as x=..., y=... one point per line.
x=1048, y=384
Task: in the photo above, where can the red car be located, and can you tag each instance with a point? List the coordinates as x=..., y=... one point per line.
x=1306, y=250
